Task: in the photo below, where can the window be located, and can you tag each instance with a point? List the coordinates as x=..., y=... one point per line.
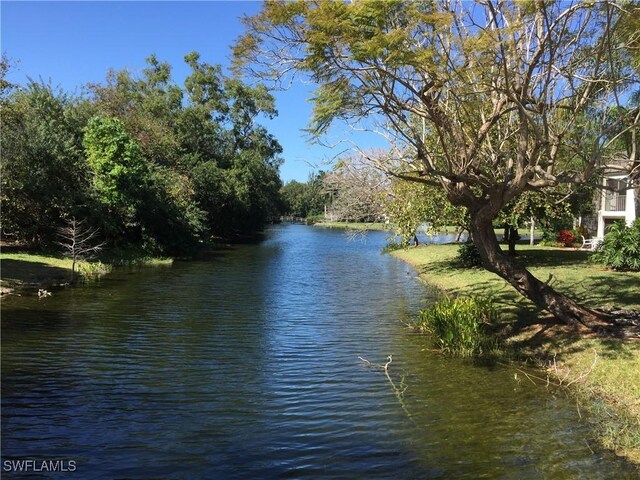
x=615, y=197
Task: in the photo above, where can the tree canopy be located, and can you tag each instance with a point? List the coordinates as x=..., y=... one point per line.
x=486, y=101
x=149, y=163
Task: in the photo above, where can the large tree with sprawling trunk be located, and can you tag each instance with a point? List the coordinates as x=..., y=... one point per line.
x=486, y=100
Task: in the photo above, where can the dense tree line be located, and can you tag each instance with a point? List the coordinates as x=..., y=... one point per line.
x=304, y=200
x=151, y=164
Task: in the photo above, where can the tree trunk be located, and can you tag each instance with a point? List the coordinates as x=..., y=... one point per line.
x=540, y=293
x=73, y=269
x=511, y=237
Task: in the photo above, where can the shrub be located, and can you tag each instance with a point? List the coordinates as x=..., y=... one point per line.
x=313, y=219
x=93, y=269
x=566, y=237
x=459, y=325
x=468, y=255
x=620, y=248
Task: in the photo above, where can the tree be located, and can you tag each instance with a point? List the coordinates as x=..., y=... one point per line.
x=43, y=172
x=120, y=177
x=357, y=190
x=307, y=199
x=147, y=106
x=410, y=204
x=78, y=241
x=293, y=195
x=505, y=92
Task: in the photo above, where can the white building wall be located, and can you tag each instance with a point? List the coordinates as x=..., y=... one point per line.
x=628, y=215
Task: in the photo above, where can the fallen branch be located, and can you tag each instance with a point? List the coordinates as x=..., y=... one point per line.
x=556, y=371
x=398, y=391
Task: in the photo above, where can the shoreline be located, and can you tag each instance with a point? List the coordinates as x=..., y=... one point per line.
x=375, y=226
x=25, y=273
x=600, y=373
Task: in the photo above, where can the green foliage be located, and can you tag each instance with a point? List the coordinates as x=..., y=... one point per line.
x=468, y=255
x=620, y=249
x=411, y=204
x=303, y=200
x=550, y=243
x=120, y=178
x=90, y=270
x=173, y=223
x=153, y=165
x=116, y=161
x=459, y=325
x=43, y=172
x=393, y=246
x=313, y=219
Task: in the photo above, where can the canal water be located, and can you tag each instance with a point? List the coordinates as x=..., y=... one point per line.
x=247, y=364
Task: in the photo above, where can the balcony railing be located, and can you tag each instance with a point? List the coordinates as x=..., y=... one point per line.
x=615, y=202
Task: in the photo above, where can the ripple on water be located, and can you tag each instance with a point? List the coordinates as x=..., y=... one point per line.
x=246, y=366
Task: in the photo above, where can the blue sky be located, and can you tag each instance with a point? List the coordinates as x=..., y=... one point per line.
x=75, y=43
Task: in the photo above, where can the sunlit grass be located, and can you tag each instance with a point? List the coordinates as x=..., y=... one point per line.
x=39, y=269
x=51, y=261
x=390, y=227
x=378, y=226
x=572, y=273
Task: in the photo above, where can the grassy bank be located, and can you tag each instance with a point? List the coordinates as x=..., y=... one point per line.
x=355, y=225
x=603, y=372
x=389, y=227
x=20, y=270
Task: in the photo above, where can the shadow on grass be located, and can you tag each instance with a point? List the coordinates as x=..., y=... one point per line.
x=618, y=288
x=530, y=328
x=552, y=258
x=19, y=272
x=551, y=338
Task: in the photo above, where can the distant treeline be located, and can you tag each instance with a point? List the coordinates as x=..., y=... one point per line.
x=153, y=165
x=306, y=200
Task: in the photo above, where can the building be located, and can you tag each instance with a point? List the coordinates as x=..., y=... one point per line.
x=618, y=201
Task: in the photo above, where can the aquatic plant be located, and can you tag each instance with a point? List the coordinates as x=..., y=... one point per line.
x=459, y=325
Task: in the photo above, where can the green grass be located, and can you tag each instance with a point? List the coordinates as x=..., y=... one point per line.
x=388, y=226
x=498, y=231
x=40, y=270
x=610, y=390
x=26, y=269
x=356, y=225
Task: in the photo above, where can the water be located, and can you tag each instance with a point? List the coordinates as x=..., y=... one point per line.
x=245, y=365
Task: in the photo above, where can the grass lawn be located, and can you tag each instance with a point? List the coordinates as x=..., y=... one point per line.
x=18, y=269
x=610, y=390
x=388, y=227
x=498, y=231
x=39, y=270
x=355, y=225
